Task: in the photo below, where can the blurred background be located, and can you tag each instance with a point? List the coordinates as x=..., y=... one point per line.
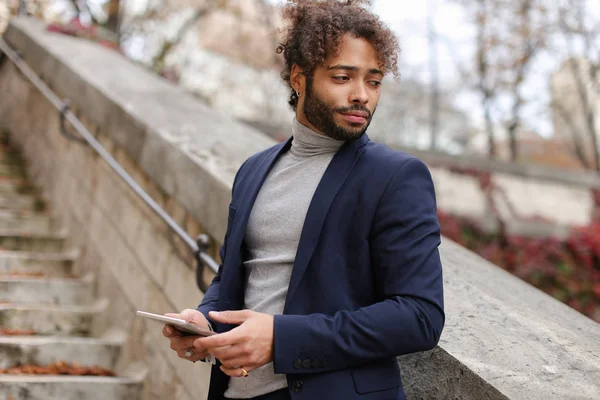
x=514, y=80
x=497, y=83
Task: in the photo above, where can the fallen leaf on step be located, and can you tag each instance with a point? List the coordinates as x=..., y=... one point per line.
x=15, y=274
x=16, y=332
x=57, y=368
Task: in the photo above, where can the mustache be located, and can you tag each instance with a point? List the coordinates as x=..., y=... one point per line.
x=354, y=108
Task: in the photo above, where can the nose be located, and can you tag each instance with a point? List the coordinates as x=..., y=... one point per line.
x=359, y=94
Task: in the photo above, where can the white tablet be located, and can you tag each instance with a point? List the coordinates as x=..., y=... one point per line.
x=181, y=325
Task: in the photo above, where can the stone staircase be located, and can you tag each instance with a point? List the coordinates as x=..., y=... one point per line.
x=46, y=310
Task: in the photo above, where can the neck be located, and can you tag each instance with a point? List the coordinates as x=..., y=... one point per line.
x=307, y=142
x=301, y=118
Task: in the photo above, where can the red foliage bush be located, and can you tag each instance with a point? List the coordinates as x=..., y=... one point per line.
x=568, y=270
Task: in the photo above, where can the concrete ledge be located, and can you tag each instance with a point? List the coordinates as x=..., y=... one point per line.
x=503, y=338
x=585, y=179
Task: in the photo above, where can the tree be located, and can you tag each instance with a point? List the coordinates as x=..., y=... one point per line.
x=234, y=29
x=434, y=108
x=527, y=40
x=510, y=35
x=579, y=35
x=168, y=44
x=486, y=82
x=113, y=20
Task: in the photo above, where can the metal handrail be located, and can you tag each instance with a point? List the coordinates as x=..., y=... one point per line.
x=198, y=247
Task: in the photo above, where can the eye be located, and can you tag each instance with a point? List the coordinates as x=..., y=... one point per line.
x=341, y=78
x=375, y=83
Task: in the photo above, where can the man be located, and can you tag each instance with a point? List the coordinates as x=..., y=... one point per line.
x=330, y=265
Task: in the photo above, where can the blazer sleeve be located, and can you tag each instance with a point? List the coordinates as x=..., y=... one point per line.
x=407, y=273
x=211, y=297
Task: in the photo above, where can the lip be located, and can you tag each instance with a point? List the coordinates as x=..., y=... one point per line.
x=357, y=117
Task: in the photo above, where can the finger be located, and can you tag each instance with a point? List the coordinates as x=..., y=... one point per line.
x=220, y=340
x=236, y=362
x=185, y=342
x=234, y=372
x=190, y=315
x=169, y=331
x=195, y=317
x=230, y=317
x=227, y=353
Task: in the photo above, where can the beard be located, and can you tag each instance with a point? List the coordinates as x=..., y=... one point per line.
x=321, y=116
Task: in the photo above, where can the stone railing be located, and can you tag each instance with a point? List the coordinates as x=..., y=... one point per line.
x=503, y=338
x=526, y=198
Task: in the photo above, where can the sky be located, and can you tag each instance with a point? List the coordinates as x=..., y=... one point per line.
x=409, y=20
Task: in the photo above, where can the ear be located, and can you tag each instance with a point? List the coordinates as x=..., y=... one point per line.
x=297, y=79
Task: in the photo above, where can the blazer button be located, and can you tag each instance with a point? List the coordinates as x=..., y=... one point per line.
x=316, y=363
x=296, y=386
x=307, y=363
x=298, y=364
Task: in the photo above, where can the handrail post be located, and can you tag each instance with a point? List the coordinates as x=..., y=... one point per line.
x=63, y=126
x=3, y=57
x=203, y=242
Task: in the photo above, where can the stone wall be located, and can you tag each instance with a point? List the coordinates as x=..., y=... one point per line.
x=139, y=263
x=503, y=338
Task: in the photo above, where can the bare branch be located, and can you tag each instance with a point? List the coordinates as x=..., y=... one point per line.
x=578, y=144
x=168, y=45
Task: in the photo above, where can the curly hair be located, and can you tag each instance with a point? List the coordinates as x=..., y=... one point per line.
x=314, y=29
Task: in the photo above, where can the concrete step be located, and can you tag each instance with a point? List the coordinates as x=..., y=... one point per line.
x=50, y=319
x=6, y=148
x=8, y=169
x=24, y=212
x=9, y=185
x=36, y=290
x=17, y=202
x=45, y=350
x=40, y=264
x=26, y=221
x=11, y=156
x=49, y=308
x=31, y=241
x=54, y=387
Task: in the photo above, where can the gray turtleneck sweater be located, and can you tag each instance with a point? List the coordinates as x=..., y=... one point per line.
x=272, y=237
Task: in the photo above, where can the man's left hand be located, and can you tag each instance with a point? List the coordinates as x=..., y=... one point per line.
x=248, y=346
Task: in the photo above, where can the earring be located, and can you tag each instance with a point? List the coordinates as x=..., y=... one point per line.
x=298, y=94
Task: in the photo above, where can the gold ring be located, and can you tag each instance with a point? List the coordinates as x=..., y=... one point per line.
x=244, y=372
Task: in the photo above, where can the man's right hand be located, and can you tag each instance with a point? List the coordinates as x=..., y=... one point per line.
x=181, y=343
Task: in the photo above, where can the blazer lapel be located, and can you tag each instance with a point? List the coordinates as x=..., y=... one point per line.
x=249, y=197
x=331, y=182
x=233, y=281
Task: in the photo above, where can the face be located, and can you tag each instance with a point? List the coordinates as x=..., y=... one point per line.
x=340, y=98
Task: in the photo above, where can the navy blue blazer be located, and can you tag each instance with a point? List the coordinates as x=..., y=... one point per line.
x=366, y=284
